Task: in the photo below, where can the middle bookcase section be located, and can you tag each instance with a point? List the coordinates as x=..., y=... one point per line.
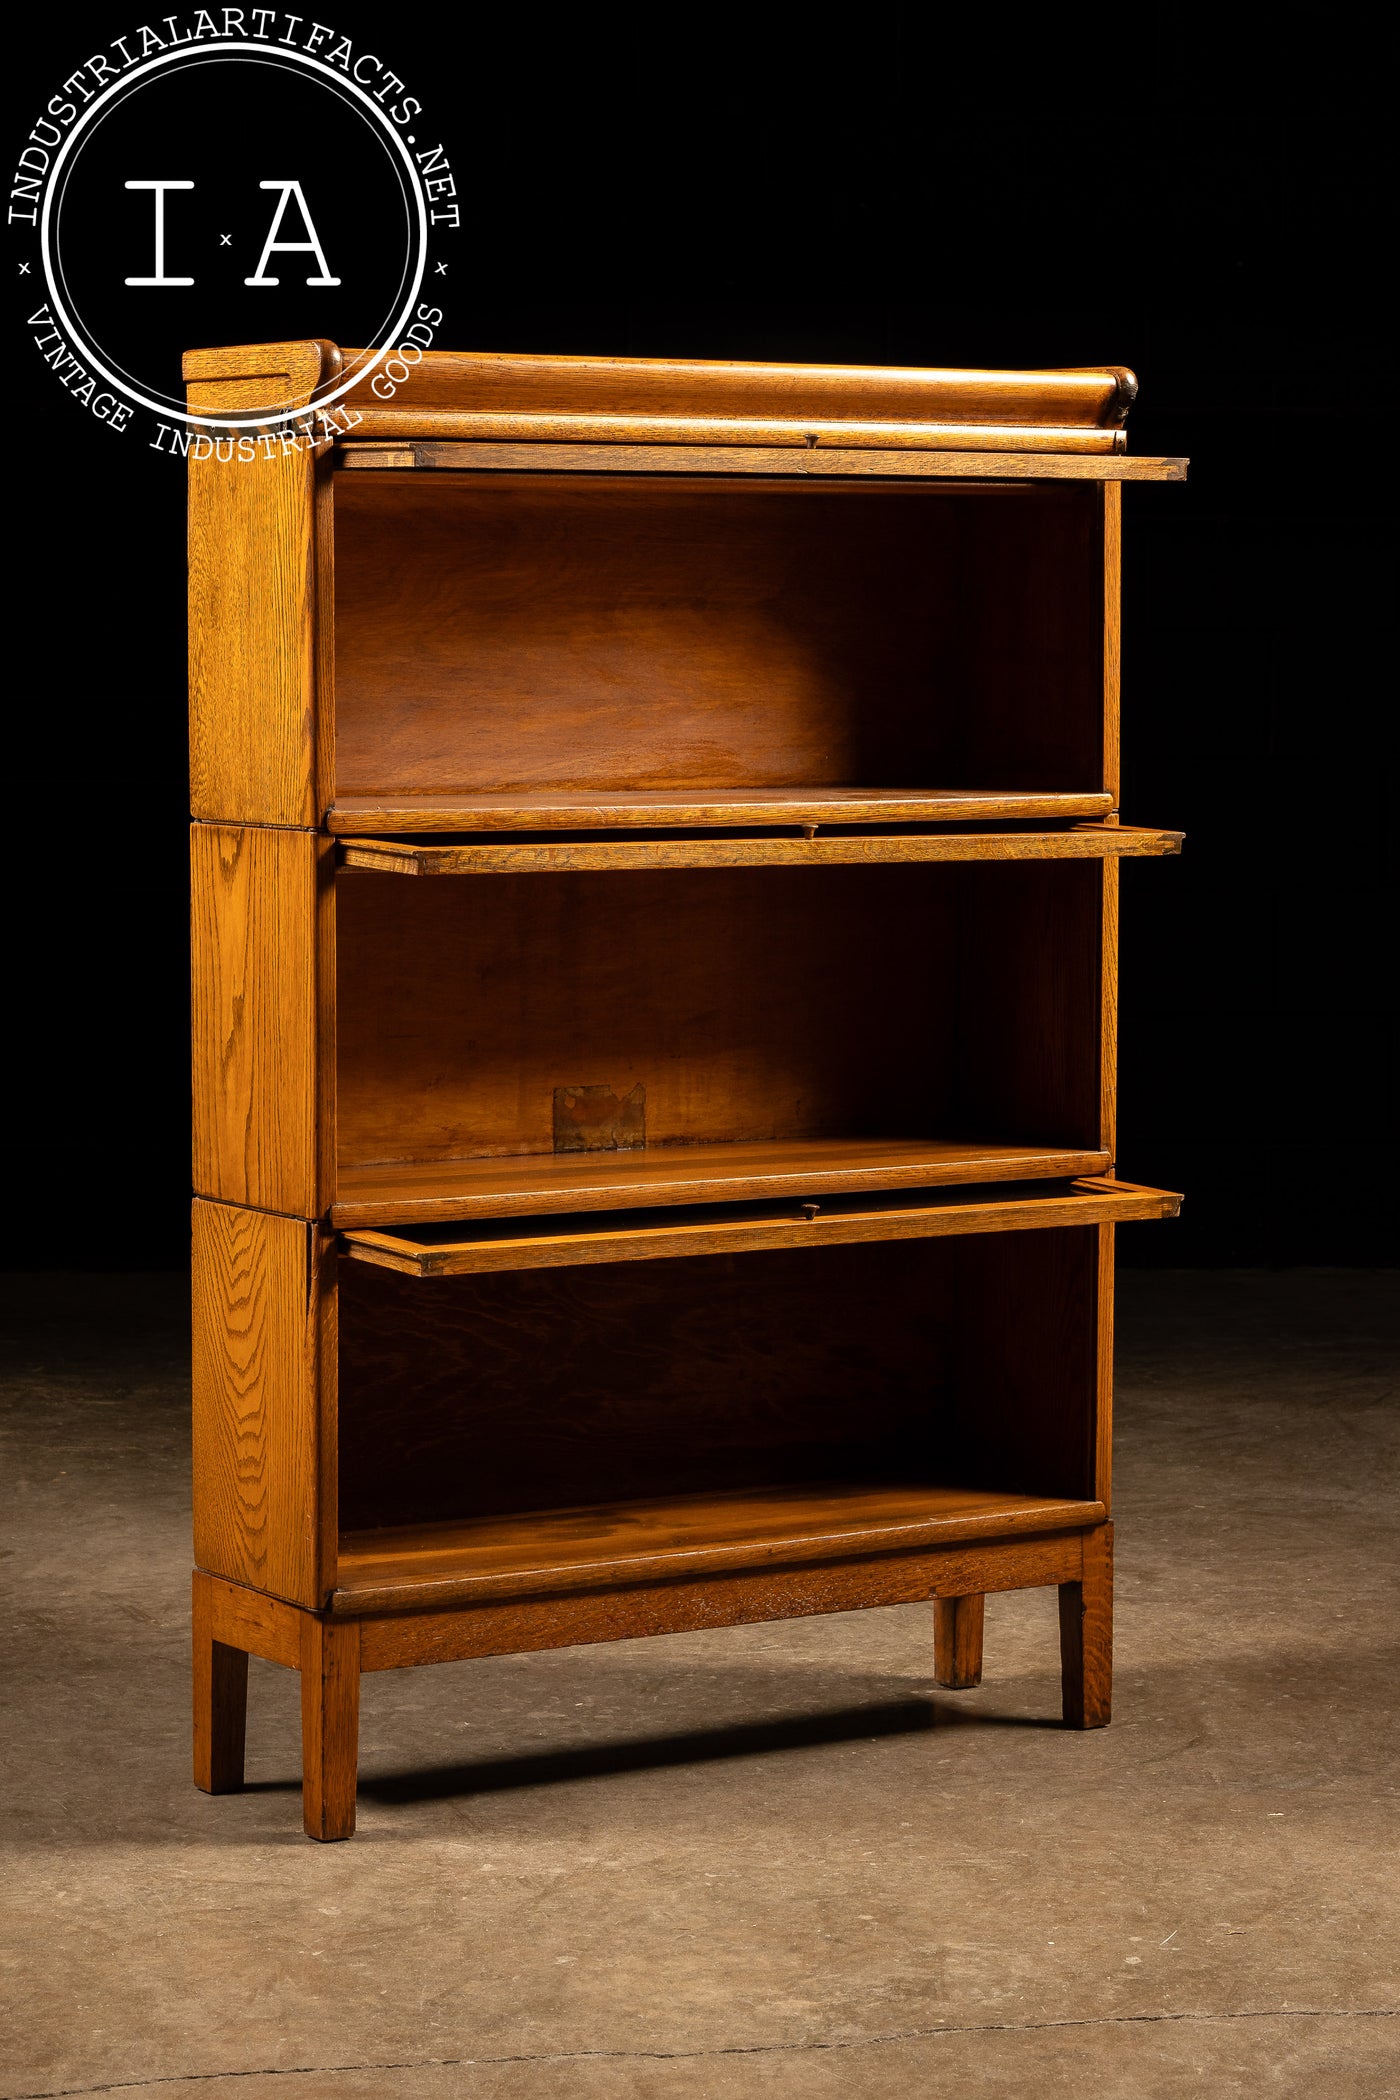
x=525, y=1044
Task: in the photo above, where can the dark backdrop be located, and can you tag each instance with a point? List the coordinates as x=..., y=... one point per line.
x=1195, y=198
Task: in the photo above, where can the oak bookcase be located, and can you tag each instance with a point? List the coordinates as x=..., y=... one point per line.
x=655, y=877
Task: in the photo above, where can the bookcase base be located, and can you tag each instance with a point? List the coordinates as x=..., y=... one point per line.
x=331, y=1650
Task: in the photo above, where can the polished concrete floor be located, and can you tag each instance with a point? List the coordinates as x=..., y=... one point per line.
x=772, y=1861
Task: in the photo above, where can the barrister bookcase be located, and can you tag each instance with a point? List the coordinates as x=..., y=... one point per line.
x=655, y=881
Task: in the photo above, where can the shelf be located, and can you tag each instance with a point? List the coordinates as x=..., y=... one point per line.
x=467, y=444
x=702, y=808
x=544, y=1552
x=650, y=1235
x=550, y=856
x=414, y=1192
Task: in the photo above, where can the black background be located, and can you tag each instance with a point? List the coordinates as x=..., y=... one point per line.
x=1194, y=195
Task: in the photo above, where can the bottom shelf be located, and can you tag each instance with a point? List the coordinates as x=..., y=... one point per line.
x=544, y=1552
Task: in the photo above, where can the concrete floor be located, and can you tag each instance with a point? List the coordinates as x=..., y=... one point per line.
x=767, y=1862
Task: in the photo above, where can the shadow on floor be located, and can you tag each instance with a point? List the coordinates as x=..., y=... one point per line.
x=694, y=1747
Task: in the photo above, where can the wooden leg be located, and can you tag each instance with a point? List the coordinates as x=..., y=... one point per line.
x=330, y=1725
x=1086, y=1635
x=957, y=1642
x=220, y=1702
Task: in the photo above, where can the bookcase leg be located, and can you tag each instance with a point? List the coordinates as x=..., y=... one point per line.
x=1086, y=1635
x=220, y=1702
x=330, y=1725
x=957, y=1642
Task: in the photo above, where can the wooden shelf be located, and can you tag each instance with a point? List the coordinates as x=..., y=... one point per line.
x=460, y=443
x=414, y=1192
x=544, y=1552
x=593, y=855
x=702, y=808
x=430, y=1251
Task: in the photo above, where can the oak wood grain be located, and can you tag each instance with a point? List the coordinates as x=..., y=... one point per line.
x=798, y=397
x=867, y=459
x=752, y=1004
x=550, y=856
x=252, y=639
x=1089, y=1202
x=410, y=438
x=422, y=1192
x=330, y=1726
x=546, y=1551
x=397, y=1641
x=1112, y=531
x=251, y=1621
x=264, y=1448
x=1100, y=1476
x=1086, y=1635
x=262, y=933
x=957, y=1642
x=552, y=1388
x=220, y=1700
x=728, y=808
x=541, y=634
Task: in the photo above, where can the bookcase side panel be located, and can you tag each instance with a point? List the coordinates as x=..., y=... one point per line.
x=1111, y=497
x=1110, y=889
x=262, y=1016
x=253, y=657
x=1102, y=1487
x=264, y=1404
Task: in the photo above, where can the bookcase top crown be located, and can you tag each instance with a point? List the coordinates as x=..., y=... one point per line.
x=450, y=393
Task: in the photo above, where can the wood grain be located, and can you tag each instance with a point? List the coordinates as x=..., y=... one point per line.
x=551, y=1388
x=837, y=1224
x=1086, y=1635
x=730, y=808
x=947, y=1359
x=264, y=1446
x=740, y=1599
x=253, y=1622
x=957, y=1642
x=252, y=639
x=798, y=396
x=1099, y=1480
x=262, y=938
x=330, y=1726
x=548, y=856
x=425, y=1192
x=605, y=1545
x=573, y=618
x=1112, y=532
x=220, y=1700
x=866, y=458
x=252, y=377
x=537, y=634
x=431, y=437
x=754, y=1005
x=798, y=402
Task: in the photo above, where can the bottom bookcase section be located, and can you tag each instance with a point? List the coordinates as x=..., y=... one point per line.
x=527, y=1432
x=669, y=1537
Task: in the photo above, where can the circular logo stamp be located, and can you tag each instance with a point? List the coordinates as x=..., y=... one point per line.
x=236, y=176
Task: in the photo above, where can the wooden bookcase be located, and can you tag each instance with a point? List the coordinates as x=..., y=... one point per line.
x=655, y=876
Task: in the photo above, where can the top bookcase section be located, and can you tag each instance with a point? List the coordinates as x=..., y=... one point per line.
x=575, y=593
